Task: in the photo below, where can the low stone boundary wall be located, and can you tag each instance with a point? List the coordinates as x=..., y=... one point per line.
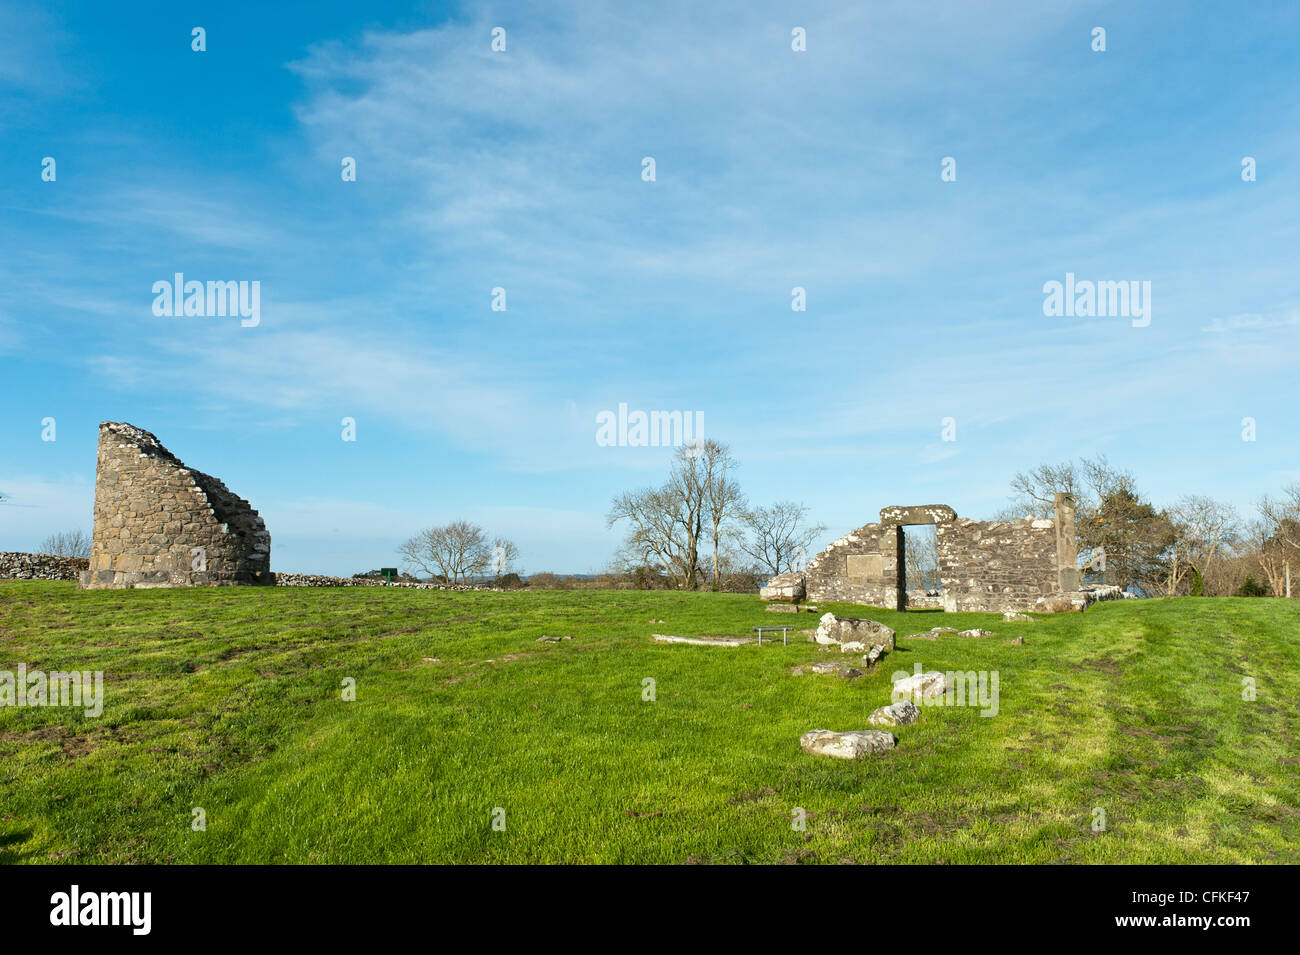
x=322, y=580
x=18, y=566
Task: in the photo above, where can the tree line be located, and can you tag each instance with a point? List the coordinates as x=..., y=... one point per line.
x=1196, y=546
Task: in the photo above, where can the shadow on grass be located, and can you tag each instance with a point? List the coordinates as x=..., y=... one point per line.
x=9, y=856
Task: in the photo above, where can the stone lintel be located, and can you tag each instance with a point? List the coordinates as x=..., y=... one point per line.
x=898, y=514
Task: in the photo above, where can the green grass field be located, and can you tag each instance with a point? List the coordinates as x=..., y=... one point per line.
x=231, y=700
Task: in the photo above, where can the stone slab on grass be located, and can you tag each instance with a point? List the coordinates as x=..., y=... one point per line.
x=703, y=641
x=853, y=634
x=852, y=744
x=926, y=685
x=901, y=713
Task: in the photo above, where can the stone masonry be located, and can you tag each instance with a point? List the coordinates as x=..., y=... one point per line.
x=19, y=566
x=161, y=524
x=984, y=565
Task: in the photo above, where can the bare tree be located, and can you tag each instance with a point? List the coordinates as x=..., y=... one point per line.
x=778, y=535
x=722, y=495
x=1277, y=536
x=503, y=557
x=921, y=557
x=1267, y=555
x=659, y=533
x=1225, y=577
x=1033, y=493
x=74, y=543
x=666, y=524
x=1205, y=532
x=455, y=551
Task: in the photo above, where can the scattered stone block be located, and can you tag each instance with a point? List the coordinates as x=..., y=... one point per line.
x=703, y=641
x=1056, y=603
x=1018, y=641
x=849, y=745
x=1081, y=599
x=781, y=608
x=826, y=667
x=931, y=634
x=902, y=713
x=785, y=588
x=977, y=632
x=1012, y=616
x=853, y=634
x=925, y=685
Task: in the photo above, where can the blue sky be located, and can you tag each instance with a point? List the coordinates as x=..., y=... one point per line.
x=522, y=170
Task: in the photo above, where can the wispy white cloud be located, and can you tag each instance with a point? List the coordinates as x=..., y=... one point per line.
x=1252, y=321
x=141, y=215
x=297, y=372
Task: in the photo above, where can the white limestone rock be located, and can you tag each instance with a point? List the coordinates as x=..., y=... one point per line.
x=853, y=634
x=901, y=713
x=853, y=744
x=923, y=685
x=785, y=588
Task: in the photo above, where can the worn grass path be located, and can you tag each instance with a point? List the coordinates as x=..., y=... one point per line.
x=230, y=699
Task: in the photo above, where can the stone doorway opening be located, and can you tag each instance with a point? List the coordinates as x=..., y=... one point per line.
x=920, y=586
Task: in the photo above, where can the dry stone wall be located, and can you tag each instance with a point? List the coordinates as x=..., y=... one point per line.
x=324, y=580
x=159, y=523
x=16, y=566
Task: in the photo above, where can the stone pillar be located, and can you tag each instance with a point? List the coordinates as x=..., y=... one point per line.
x=1067, y=547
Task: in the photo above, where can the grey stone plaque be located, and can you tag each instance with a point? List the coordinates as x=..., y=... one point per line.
x=868, y=566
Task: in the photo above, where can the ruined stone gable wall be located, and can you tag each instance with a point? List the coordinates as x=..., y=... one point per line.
x=996, y=565
x=991, y=566
x=860, y=567
x=152, y=512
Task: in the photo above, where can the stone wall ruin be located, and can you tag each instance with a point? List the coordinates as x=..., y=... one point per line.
x=159, y=523
x=991, y=566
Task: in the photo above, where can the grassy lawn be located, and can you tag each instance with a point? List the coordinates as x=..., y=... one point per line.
x=230, y=699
